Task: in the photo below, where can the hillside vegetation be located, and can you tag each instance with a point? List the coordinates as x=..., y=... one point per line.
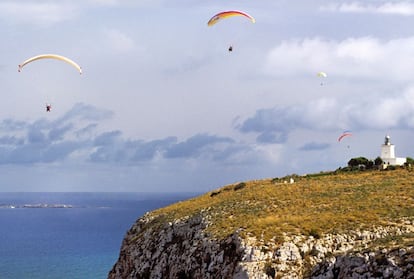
x=329, y=202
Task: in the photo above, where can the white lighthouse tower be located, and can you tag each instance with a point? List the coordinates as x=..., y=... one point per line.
x=388, y=154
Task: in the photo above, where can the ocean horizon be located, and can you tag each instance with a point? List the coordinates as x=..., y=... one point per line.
x=47, y=235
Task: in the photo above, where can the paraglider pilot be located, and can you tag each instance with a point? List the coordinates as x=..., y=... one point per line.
x=48, y=107
x=231, y=48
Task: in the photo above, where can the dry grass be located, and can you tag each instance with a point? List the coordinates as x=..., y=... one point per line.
x=313, y=205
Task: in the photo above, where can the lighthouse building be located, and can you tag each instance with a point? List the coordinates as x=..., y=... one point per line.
x=388, y=154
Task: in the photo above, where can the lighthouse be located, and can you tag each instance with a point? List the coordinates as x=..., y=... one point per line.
x=388, y=154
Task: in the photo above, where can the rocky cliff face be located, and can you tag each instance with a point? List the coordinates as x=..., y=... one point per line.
x=183, y=249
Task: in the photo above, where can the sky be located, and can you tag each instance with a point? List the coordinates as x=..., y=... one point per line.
x=163, y=106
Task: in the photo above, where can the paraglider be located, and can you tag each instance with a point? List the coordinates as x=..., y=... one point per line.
x=322, y=75
x=344, y=134
x=51, y=56
x=227, y=14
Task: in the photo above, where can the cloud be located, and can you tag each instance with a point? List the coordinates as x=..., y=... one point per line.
x=393, y=8
x=38, y=152
x=36, y=13
x=119, y=41
x=86, y=131
x=107, y=138
x=273, y=125
x=46, y=13
x=196, y=146
x=311, y=146
x=11, y=125
x=83, y=111
x=272, y=137
x=149, y=150
x=76, y=137
x=199, y=149
x=58, y=133
x=357, y=58
x=113, y=3
x=105, y=2
x=60, y=151
x=47, y=141
x=7, y=141
x=35, y=135
x=394, y=111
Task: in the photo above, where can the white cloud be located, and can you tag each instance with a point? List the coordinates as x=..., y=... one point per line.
x=393, y=111
x=396, y=8
x=329, y=115
x=119, y=41
x=365, y=57
x=105, y=2
x=36, y=13
x=118, y=3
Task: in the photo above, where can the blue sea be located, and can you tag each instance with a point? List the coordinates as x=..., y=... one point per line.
x=68, y=235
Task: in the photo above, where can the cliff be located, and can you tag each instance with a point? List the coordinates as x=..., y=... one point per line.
x=329, y=225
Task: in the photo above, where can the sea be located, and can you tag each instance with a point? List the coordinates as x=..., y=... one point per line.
x=69, y=235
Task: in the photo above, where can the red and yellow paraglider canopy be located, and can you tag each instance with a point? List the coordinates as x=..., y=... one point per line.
x=227, y=14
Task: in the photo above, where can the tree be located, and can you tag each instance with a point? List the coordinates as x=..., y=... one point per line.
x=378, y=161
x=359, y=162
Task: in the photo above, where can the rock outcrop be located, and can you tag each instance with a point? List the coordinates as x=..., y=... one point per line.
x=185, y=249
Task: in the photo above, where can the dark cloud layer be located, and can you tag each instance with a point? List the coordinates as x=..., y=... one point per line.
x=196, y=145
x=44, y=141
x=273, y=125
x=310, y=146
x=11, y=125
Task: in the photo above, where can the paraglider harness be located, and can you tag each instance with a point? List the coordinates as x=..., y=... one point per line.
x=48, y=107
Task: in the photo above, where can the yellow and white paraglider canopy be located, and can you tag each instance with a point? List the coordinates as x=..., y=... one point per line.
x=51, y=56
x=322, y=75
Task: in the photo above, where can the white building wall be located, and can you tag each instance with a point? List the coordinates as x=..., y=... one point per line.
x=394, y=161
x=387, y=151
x=388, y=154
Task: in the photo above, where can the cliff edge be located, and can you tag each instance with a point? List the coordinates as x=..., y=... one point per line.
x=326, y=225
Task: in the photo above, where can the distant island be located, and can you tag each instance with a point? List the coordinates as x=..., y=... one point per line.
x=36, y=205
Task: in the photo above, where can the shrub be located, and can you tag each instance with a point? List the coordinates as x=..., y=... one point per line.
x=378, y=161
x=315, y=233
x=269, y=270
x=214, y=194
x=359, y=162
x=239, y=186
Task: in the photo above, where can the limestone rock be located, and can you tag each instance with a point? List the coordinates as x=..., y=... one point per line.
x=184, y=249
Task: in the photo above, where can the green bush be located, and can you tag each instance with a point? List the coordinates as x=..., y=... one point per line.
x=378, y=161
x=239, y=186
x=359, y=162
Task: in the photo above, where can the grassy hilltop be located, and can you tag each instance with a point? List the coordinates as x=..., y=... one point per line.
x=329, y=202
